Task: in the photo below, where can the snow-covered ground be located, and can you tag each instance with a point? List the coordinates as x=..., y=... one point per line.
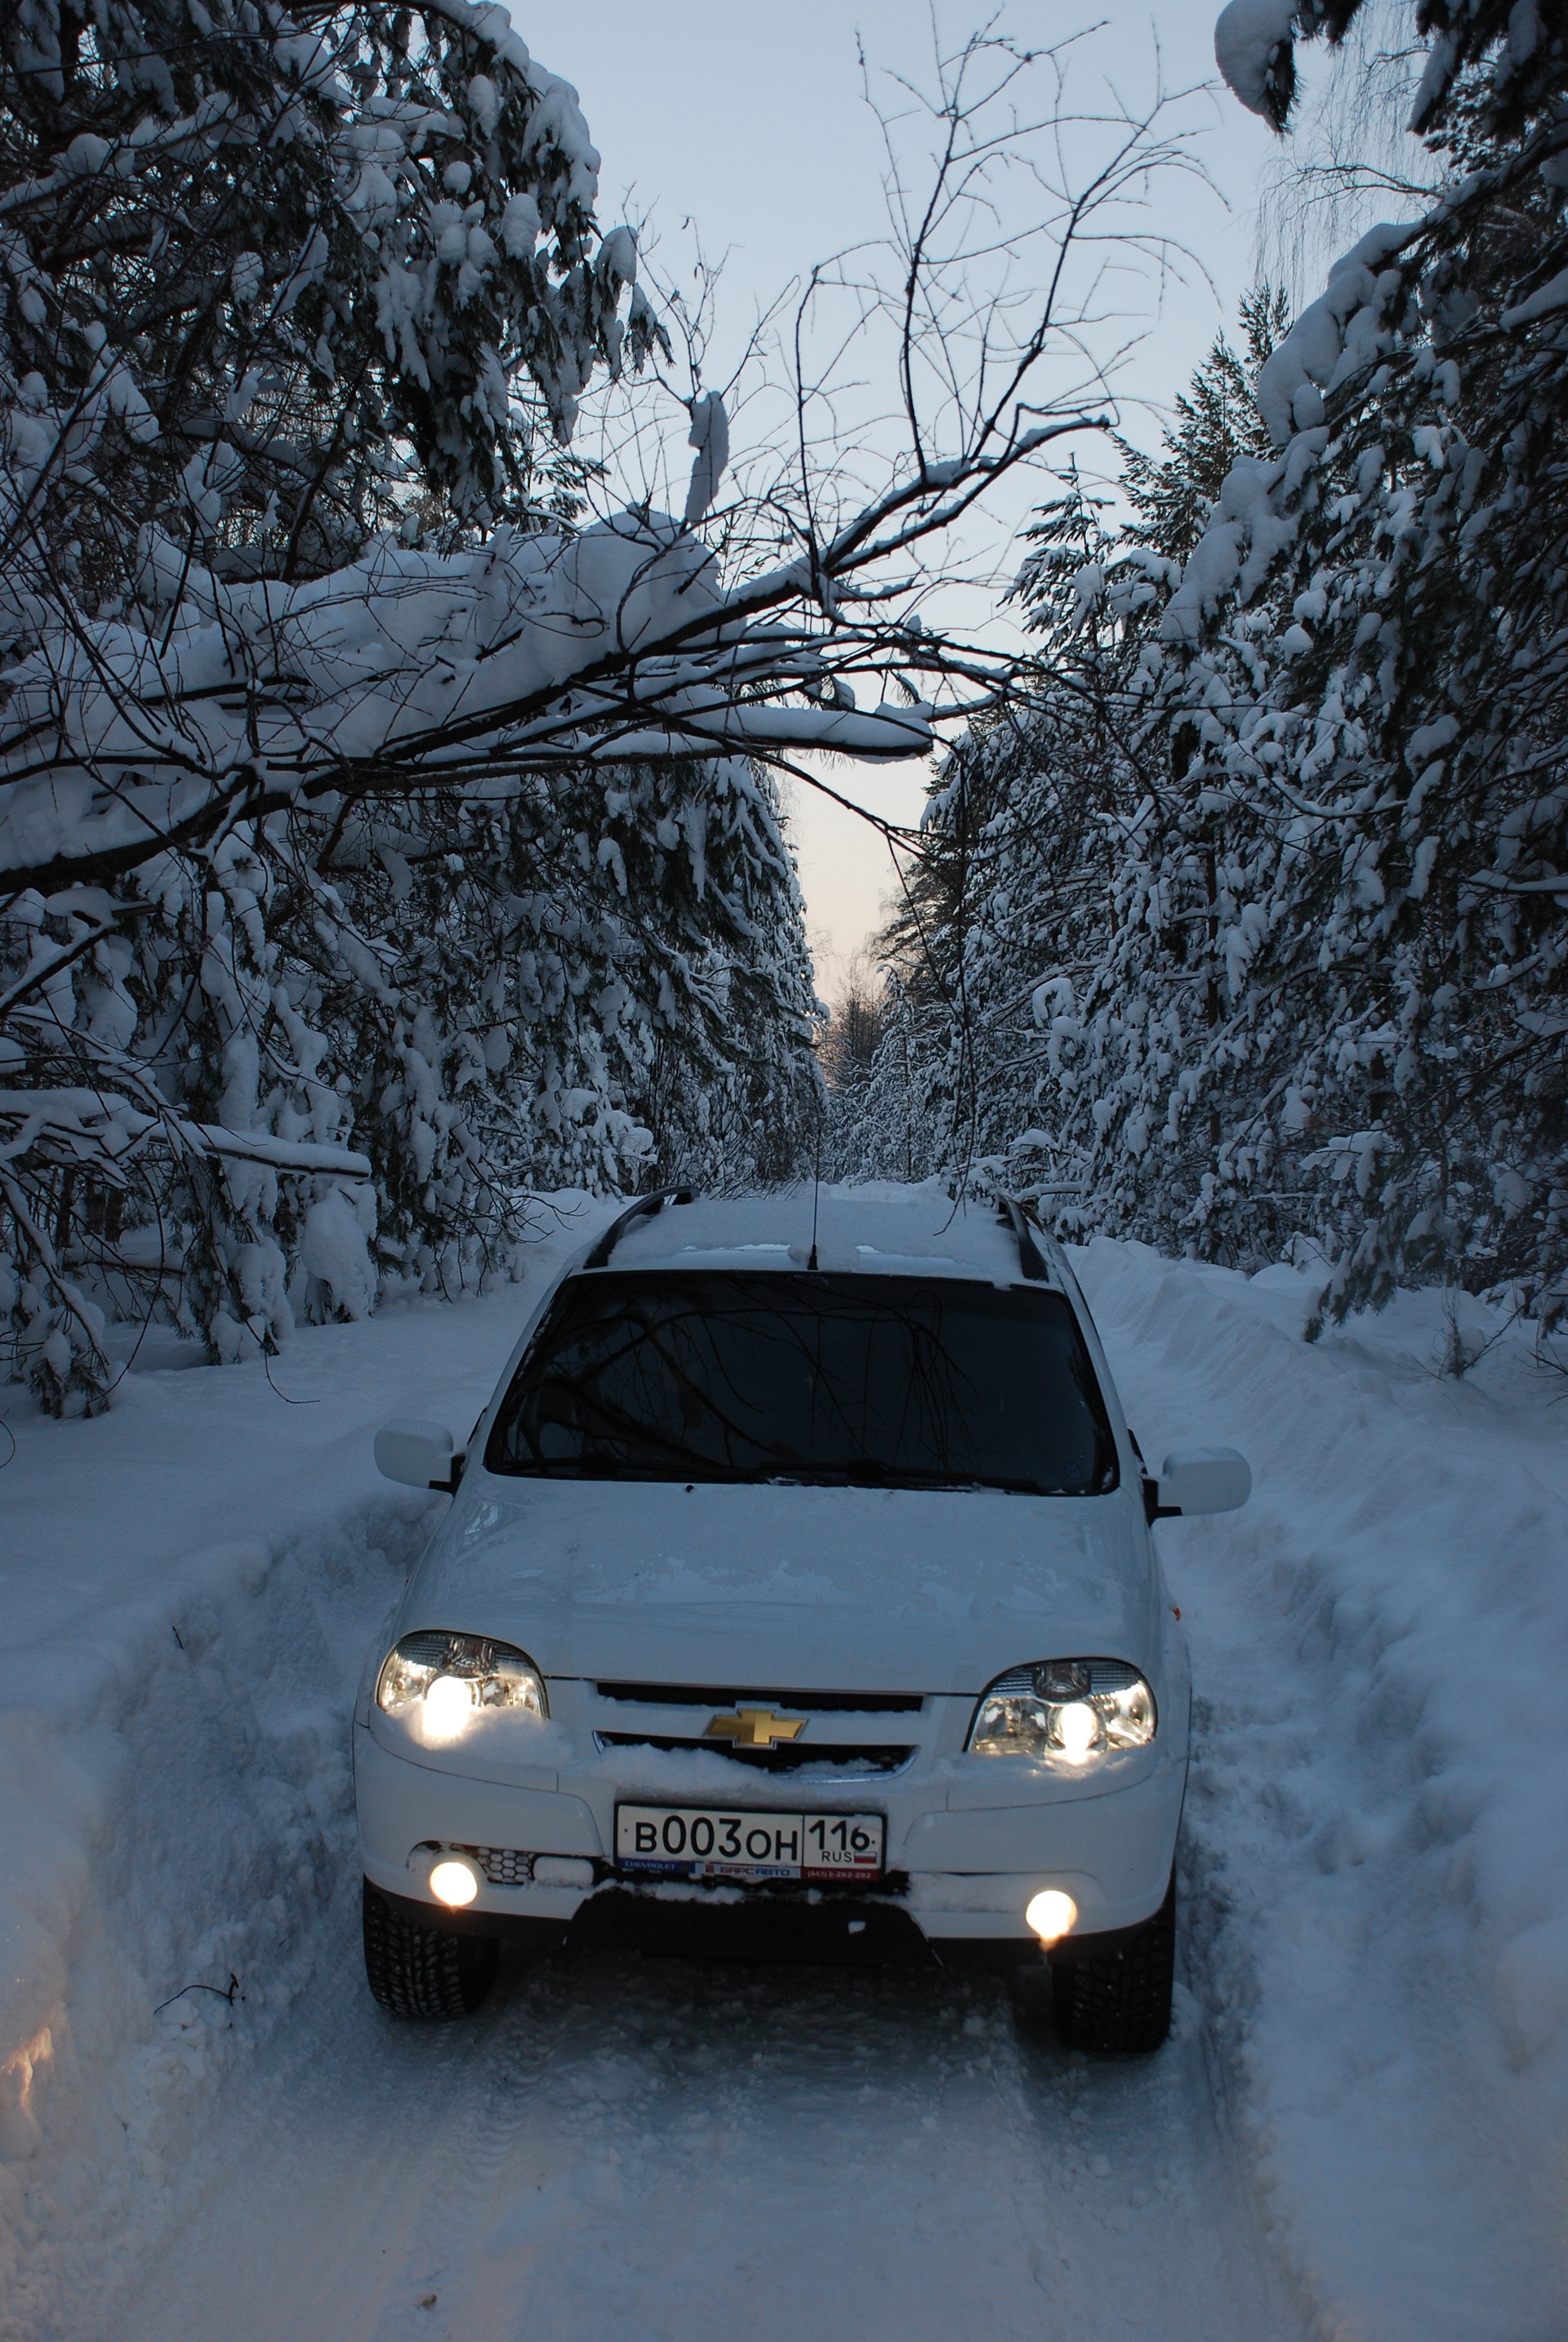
x=1358, y=2131
x=1377, y=1824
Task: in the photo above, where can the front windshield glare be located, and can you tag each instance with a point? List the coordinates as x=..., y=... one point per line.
x=863, y=1381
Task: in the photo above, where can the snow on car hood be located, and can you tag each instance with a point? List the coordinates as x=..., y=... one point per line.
x=809, y=1589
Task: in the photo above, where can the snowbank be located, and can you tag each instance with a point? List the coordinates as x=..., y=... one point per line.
x=190, y=1584
x=1377, y=1824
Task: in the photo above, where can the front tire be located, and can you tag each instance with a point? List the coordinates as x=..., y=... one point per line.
x=415, y=1971
x=1119, y=2003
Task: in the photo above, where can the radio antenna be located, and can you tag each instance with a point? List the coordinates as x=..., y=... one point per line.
x=816, y=1189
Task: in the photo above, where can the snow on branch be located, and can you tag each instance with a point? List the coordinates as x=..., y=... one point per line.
x=395, y=624
x=208, y=693
x=1519, y=66
x=1253, y=50
x=88, y=1123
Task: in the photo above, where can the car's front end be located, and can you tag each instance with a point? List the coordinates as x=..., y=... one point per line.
x=636, y=1692
x=798, y=1600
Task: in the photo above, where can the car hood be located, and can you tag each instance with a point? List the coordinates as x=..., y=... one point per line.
x=791, y=1588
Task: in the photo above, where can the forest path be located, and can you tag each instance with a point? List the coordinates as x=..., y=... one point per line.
x=1359, y=2116
x=648, y=2151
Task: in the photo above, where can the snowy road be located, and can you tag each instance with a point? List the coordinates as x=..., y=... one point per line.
x=626, y=2150
x=1361, y=2126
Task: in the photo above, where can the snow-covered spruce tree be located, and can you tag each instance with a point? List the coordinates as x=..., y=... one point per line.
x=1333, y=994
x=575, y=981
x=1008, y=913
x=882, y=1126
x=1031, y=819
x=1216, y=422
x=730, y=1092
x=1362, y=678
x=1085, y=1031
x=236, y=338
x=263, y=267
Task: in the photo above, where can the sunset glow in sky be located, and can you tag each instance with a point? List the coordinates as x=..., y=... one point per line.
x=747, y=125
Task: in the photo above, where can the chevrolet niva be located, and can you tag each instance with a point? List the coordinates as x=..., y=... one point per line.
x=798, y=1600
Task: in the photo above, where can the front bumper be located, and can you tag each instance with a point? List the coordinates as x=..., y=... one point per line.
x=957, y=1885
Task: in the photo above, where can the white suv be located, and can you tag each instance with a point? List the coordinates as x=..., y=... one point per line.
x=798, y=1600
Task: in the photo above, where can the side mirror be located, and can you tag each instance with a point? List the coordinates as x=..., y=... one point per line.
x=1203, y=1480
x=418, y=1454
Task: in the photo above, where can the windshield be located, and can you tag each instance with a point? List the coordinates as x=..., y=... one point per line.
x=859, y=1381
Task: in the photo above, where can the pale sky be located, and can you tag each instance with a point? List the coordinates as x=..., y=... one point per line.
x=747, y=119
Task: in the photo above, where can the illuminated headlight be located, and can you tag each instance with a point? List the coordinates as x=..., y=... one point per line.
x=1071, y=1709
x=441, y=1683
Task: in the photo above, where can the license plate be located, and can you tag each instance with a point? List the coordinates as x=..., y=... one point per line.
x=711, y=1842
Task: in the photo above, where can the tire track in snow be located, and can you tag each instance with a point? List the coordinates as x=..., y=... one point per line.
x=650, y=2152
x=629, y=2150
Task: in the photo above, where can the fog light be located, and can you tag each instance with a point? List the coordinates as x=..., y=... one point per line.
x=454, y=1881
x=1052, y=1915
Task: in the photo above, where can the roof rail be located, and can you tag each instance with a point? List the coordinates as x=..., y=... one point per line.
x=645, y=1207
x=1031, y=1259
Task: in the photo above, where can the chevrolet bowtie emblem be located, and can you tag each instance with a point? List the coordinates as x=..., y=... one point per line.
x=754, y=1728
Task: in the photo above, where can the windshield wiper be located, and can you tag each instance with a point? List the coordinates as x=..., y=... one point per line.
x=858, y=1472
x=868, y=1472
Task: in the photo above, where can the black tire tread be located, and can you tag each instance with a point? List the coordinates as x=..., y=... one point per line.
x=426, y=1972
x=1119, y=2004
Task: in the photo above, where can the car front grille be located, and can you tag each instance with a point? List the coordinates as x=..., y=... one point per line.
x=837, y=1756
x=805, y=1703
